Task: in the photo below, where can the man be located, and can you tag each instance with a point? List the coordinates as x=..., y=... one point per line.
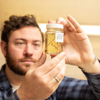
x=26, y=76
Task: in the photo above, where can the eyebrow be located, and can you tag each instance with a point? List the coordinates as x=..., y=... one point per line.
x=25, y=40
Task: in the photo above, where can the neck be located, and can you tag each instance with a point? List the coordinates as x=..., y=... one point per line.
x=13, y=78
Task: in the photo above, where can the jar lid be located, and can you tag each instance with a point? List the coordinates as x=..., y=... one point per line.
x=54, y=26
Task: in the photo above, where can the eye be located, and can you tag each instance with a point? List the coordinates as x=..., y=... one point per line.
x=20, y=43
x=36, y=44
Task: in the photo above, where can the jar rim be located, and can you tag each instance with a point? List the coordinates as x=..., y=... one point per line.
x=54, y=26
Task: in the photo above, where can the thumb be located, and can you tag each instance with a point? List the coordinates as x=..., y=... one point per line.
x=38, y=63
x=42, y=60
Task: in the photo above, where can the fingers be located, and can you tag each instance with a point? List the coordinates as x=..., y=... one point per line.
x=71, y=23
x=61, y=20
x=44, y=74
x=39, y=62
x=42, y=59
x=70, y=27
x=52, y=55
x=53, y=83
x=74, y=23
x=56, y=70
x=67, y=23
x=51, y=21
x=51, y=64
x=60, y=76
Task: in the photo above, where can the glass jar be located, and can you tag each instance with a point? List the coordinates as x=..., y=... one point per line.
x=54, y=37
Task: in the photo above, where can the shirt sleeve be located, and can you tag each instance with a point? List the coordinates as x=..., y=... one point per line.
x=75, y=89
x=13, y=96
x=94, y=83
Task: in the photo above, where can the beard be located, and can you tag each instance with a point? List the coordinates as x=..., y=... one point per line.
x=15, y=66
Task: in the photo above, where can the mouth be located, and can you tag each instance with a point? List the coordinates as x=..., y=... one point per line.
x=28, y=61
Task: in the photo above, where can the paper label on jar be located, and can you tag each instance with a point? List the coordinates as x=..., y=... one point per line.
x=59, y=37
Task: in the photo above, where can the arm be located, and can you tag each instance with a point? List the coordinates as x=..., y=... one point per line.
x=39, y=82
x=77, y=46
x=79, y=52
x=75, y=89
x=82, y=49
x=94, y=83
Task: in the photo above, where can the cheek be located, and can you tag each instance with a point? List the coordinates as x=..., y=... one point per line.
x=37, y=54
x=15, y=53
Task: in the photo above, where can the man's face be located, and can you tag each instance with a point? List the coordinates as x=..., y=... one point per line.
x=24, y=49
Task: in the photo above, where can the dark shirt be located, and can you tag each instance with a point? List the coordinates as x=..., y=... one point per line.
x=69, y=89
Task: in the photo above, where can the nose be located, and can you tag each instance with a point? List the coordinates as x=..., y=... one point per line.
x=28, y=50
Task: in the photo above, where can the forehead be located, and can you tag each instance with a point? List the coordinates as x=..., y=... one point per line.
x=28, y=33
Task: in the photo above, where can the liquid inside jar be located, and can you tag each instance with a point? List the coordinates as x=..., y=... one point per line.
x=51, y=46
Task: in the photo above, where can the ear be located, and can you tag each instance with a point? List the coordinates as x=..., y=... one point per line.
x=3, y=47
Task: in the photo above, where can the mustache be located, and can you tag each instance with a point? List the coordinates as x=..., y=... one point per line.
x=28, y=59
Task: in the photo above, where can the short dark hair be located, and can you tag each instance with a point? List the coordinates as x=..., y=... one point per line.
x=16, y=22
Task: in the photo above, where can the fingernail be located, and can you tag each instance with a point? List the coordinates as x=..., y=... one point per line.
x=63, y=53
x=58, y=22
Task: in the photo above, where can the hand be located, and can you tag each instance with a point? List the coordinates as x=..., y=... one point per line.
x=39, y=82
x=77, y=46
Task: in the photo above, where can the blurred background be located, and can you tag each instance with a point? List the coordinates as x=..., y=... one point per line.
x=86, y=12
